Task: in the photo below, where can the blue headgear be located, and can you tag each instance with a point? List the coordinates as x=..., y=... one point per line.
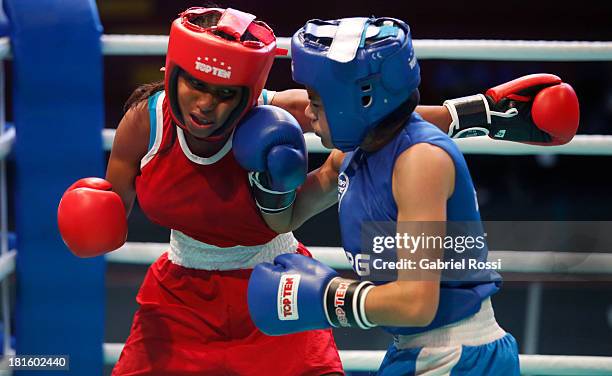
x=363, y=69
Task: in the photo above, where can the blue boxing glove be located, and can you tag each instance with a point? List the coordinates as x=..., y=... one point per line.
x=299, y=293
x=269, y=142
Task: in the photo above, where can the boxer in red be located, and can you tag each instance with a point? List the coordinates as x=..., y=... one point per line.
x=174, y=150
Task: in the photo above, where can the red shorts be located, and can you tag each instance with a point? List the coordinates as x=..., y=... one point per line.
x=196, y=322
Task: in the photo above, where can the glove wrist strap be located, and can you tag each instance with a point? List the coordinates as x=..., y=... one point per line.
x=344, y=303
x=470, y=115
x=269, y=201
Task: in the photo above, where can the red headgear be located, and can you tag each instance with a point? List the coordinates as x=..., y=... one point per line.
x=208, y=57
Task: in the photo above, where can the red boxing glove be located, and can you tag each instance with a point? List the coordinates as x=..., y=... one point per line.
x=92, y=218
x=536, y=109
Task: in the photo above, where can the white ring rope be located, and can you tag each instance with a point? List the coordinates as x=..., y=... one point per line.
x=517, y=50
x=7, y=263
x=355, y=360
x=334, y=257
x=566, y=365
x=580, y=145
x=480, y=49
x=5, y=48
x=7, y=139
x=468, y=49
x=130, y=45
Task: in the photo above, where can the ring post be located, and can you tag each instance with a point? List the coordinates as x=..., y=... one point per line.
x=58, y=115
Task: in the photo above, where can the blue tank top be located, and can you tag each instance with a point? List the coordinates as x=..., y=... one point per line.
x=365, y=195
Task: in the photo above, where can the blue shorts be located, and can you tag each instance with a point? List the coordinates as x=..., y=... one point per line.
x=499, y=357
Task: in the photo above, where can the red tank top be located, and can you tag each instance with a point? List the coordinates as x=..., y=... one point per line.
x=208, y=199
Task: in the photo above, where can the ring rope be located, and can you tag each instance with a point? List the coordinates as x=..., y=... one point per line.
x=512, y=261
x=5, y=48
x=7, y=263
x=462, y=49
x=479, y=49
x=334, y=257
x=7, y=139
x=356, y=360
x=580, y=145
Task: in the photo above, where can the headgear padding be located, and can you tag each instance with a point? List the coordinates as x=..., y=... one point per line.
x=363, y=69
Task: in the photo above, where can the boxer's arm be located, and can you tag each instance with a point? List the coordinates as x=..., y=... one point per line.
x=421, y=196
x=437, y=115
x=535, y=109
x=297, y=293
x=319, y=192
x=129, y=147
x=92, y=212
x=296, y=100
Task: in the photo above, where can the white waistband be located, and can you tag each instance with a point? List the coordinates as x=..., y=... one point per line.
x=476, y=330
x=190, y=253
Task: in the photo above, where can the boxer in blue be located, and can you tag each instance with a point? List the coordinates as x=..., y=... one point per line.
x=392, y=166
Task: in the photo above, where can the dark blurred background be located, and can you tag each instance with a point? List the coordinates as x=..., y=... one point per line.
x=576, y=316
